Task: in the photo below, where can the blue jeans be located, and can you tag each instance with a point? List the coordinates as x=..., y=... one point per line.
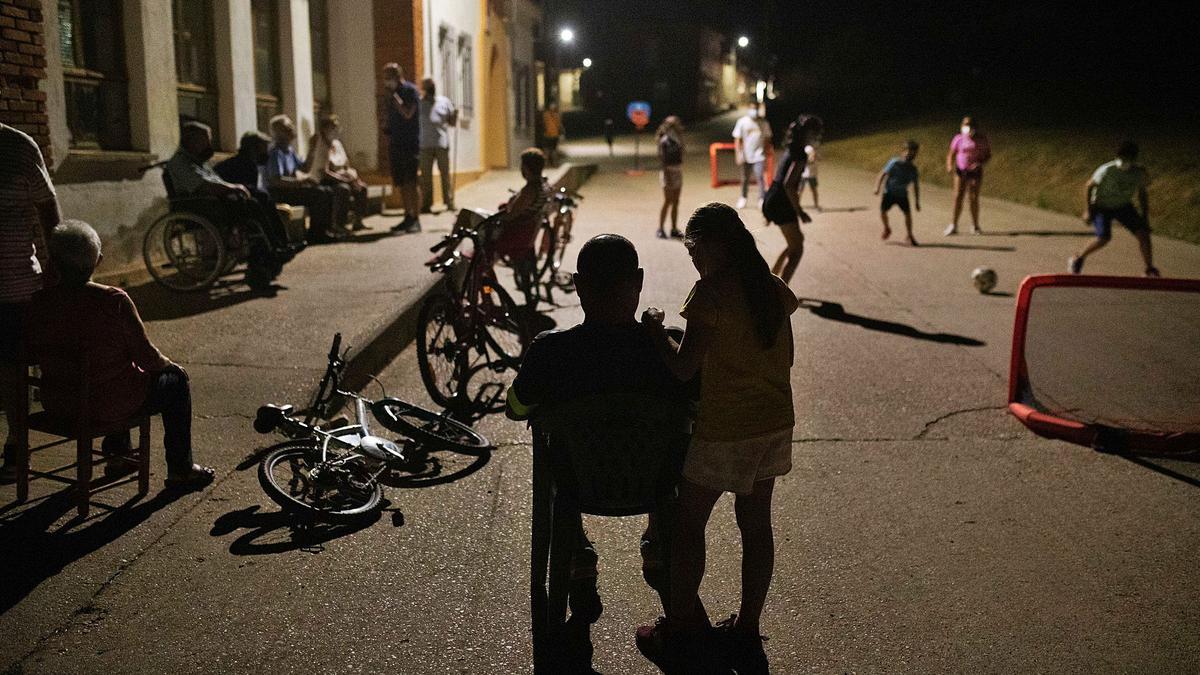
x=170, y=396
x=755, y=170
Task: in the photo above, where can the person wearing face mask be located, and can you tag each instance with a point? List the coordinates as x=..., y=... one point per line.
x=329, y=164
x=969, y=151
x=191, y=176
x=1110, y=194
x=751, y=138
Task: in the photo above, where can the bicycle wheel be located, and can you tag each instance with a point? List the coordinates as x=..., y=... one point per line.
x=435, y=430
x=441, y=350
x=184, y=251
x=501, y=336
x=504, y=327
x=547, y=250
x=294, y=479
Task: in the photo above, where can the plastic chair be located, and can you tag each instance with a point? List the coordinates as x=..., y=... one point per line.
x=609, y=455
x=82, y=430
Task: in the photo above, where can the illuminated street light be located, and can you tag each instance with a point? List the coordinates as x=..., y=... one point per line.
x=566, y=35
x=587, y=63
x=743, y=42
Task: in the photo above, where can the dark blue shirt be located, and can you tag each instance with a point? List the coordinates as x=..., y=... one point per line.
x=405, y=133
x=282, y=161
x=899, y=174
x=241, y=170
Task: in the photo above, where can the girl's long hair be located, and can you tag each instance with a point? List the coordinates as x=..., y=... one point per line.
x=671, y=123
x=719, y=225
x=800, y=132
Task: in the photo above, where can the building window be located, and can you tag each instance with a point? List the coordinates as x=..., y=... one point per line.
x=466, y=77
x=318, y=28
x=446, y=58
x=267, y=89
x=94, y=76
x=195, y=68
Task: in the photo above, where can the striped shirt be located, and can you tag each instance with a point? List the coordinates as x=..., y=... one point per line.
x=24, y=183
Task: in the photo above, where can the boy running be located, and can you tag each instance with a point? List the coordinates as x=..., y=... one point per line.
x=899, y=172
x=1109, y=196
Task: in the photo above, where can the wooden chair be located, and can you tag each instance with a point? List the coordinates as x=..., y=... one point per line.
x=611, y=455
x=82, y=430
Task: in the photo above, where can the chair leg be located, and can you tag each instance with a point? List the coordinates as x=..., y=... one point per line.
x=144, y=458
x=83, y=479
x=565, y=539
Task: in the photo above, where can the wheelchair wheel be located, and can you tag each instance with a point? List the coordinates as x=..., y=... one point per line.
x=184, y=251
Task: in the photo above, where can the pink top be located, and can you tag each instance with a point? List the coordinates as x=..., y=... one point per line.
x=970, y=152
x=103, y=320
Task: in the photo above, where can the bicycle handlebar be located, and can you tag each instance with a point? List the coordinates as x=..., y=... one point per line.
x=335, y=350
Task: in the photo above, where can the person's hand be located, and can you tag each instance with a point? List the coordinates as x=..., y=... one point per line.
x=738, y=159
x=173, y=367
x=876, y=191
x=949, y=168
x=1086, y=216
x=652, y=318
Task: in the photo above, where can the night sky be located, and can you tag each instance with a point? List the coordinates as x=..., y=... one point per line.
x=1058, y=60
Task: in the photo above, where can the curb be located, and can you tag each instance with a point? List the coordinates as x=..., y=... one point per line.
x=384, y=341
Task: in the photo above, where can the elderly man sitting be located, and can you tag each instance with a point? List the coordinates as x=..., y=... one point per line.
x=127, y=374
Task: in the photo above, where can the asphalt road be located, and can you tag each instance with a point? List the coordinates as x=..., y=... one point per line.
x=922, y=529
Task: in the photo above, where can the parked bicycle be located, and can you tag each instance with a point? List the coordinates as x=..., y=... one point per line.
x=333, y=474
x=552, y=246
x=471, y=337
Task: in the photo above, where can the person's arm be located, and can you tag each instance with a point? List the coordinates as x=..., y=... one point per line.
x=738, y=150
x=529, y=387
x=141, y=351
x=406, y=109
x=882, y=176
x=950, y=155
x=1088, y=191
x=687, y=360
x=516, y=207
x=1144, y=202
x=791, y=185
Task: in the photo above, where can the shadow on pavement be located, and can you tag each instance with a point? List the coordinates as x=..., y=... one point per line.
x=1183, y=463
x=429, y=468
x=280, y=531
x=1037, y=233
x=834, y=311
x=156, y=303
x=33, y=552
x=964, y=247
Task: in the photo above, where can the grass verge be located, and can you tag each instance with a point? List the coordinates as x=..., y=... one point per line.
x=1047, y=167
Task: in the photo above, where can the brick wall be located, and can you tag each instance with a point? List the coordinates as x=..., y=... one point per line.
x=22, y=67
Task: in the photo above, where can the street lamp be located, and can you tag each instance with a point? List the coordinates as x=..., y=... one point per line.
x=587, y=63
x=743, y=42
x=566, y=35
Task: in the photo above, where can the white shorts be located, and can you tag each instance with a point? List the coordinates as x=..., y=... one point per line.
x=671, y=177
x=735, y=466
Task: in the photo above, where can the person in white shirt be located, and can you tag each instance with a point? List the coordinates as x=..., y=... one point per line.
x=437, y=114
x=751, y=137
x=329, y=163
x=809, y=177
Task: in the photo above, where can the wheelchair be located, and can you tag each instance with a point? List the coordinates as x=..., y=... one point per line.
x=197, y=242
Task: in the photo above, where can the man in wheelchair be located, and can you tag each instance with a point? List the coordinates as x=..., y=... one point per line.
x=610, y=352
x=193, y=185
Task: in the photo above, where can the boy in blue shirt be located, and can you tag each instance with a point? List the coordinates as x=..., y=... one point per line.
x=899, y=172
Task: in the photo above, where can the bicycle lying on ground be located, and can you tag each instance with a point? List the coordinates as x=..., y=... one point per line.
x=333, y=474
x=470, y=338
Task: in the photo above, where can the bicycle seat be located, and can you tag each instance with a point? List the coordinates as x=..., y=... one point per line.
x=269, y=416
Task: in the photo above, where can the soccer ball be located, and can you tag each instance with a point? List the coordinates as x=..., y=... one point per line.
x=984, y=279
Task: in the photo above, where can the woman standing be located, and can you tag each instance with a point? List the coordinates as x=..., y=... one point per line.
x=739, y=338
x=782, y=204
x=670, y=154
x=969, y=151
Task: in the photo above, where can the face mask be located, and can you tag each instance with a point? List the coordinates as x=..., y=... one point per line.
x=752, y=113
x=966, y=130
x=391, y=84
x=334, y=134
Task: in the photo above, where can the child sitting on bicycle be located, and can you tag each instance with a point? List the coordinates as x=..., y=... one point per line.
x=510, y=233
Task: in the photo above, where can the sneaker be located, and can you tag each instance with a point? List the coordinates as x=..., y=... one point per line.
x=912, y=241
x=950, y=230
x=741, y=203
x=403, y=225
x=745, y=650
x=413, y=227
x=887, y=232
x=662, y=234
x=1153, y=272
x=652, y=643
x=1074, y=265
x=676, y=234
x=975, y=230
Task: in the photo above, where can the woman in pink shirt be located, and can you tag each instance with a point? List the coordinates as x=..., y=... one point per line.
x=969, y=151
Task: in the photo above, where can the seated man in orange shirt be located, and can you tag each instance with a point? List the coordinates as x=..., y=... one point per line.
x=127, y=374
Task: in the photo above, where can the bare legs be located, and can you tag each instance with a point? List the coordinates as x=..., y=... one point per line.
x=965, y=188
x=789, y=259
x=1144, y=247
x=670, y=204
x=688, y=553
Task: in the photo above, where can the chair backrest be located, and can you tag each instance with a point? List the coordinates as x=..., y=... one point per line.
x=615, y=454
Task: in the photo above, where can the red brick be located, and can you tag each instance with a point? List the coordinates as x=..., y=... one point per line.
x=29, y=26
x=37, y=73
x=33, y=94
x=15, y=35
x=28, y=128
x=3, y=105
x=27, y=4
x=24, y=106
x=39, y=40
x=7, y=22
x=35, y=50
x=9, y=69
x=9, y=10
x=37, y=118
x=8, y=46
x=35, y=15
